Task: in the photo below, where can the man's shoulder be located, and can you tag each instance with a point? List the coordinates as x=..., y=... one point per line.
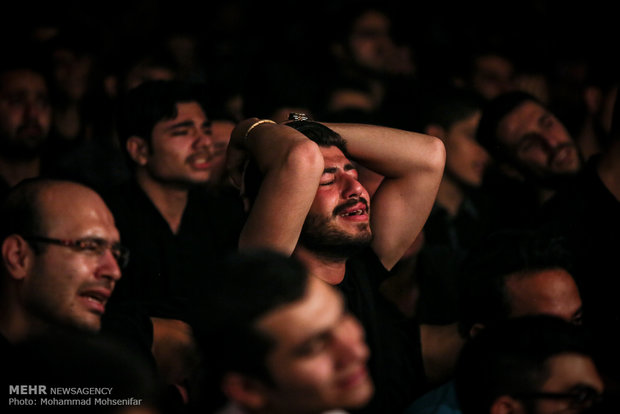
x=440, y=400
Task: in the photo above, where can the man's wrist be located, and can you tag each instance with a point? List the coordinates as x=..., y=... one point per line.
x=255, y=124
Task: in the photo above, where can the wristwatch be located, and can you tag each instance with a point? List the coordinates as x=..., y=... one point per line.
x=294, y=116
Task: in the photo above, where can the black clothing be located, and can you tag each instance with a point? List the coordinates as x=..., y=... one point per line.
x=447, y=242
x=517, y=201
x=395, y=351
x=588, y=216
x=165, y=268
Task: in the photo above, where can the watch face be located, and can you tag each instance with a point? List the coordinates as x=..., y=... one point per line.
x=293, y=116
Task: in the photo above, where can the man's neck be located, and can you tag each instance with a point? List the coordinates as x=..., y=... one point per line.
x=330, y=271
x=450, y=195
x=15, y=325
x=170, y=200
x=15, y=171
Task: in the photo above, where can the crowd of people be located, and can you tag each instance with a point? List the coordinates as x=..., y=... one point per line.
x=354, y=225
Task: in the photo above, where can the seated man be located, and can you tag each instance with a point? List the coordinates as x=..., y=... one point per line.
x=275, y=340
x=166, y=214
x=531, y=365
x=307, y=202
x=587, y=215
x=534, y=155
x=61, y=258
x=510, y=274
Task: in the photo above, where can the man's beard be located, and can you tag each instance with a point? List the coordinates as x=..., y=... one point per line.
x=550, y=180
x=319, y=236
x=24, y=147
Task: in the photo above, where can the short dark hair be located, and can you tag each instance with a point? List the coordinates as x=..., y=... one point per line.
x=493, y=113
x=153, y=101
x=482, y=294
x=26, y=55
x=316, y=132
x=69, y=358
x=449, y=106
x=510, y=358
x=20, y=210
x=247, y=286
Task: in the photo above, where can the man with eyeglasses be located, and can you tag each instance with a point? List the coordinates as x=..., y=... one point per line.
x=529, y=365
x=61, y=258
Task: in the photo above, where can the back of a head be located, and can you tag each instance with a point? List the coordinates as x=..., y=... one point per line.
x=154, y=101
x=483, y=296
x=20, y=210
x=509, y=359
x=26, y=55
x=493, y=112
x=96, y=370
x=450, y=105
x=247, y=286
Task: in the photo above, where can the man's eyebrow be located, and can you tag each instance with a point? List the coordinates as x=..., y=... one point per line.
x=182, y=124
x=332, y=170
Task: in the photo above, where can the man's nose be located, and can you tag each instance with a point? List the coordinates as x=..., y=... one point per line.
x=350, y=343
x=352, y=187
x=205, y=140
x=31, y=111
x=109, y=267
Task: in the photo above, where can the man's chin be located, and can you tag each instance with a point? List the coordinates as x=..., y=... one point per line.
x=336, y=249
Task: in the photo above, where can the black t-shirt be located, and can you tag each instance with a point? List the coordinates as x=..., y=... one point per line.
x=447, y=242
x=587, y=216
x=165, y=268
x=396, y=359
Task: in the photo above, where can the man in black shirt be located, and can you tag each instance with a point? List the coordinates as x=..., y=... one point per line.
x=307, y=202
x=534, y=155
x=175, y=225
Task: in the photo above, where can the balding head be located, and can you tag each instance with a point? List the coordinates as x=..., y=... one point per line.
x=59, y=249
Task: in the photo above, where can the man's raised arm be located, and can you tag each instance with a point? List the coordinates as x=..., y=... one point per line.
x=412, y=164
x=291, y=166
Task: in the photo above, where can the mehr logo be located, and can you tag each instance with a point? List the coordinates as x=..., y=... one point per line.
x=28, y=389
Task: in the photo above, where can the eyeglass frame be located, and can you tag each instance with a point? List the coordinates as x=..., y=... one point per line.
x=121, y=255
x=581, y=397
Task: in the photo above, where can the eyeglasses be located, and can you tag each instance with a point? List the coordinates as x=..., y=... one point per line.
x=579, y=397
x=89, y=245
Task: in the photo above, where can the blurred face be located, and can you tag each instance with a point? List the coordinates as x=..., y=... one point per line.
x=25, y=113
x=466, y=160
x=145, y=72
x=370, y=41
x=492, y=76
x=319, y=360
x=181, y=150
x=538, y=142
x=72, y=73
x=338, y=223
x=569, y=373
x=66, y=286
x=552, y=292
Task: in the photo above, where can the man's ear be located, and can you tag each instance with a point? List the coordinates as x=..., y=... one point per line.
x=138, y=150
x=505, y=404
x=245, y=391
x=436, y=131
x=475, y=329
x=17, y=256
